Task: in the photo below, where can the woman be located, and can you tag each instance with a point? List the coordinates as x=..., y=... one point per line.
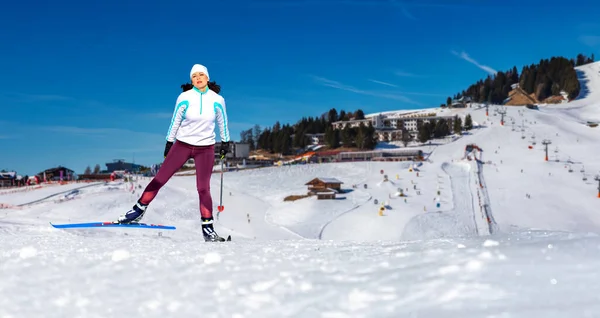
x=191, y=135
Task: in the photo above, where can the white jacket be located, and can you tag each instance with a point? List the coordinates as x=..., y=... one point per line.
x=194, y=118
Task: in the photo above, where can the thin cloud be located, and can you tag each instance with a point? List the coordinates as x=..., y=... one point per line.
x=159, y=115
x=590, y=40
x=98, y=132
x=463, y=55
x=382, y=83
x=34, y=98
x=64, y=101
x=407, y=14
x=335, y=84
x=403, y=9
x=82, y=130
x=5, y=137
x=423, y=94
x=371, y=3
x=299, y=3
x=234, y=125
x=406, y=74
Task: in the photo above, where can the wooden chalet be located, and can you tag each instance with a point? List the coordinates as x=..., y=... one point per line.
x=54, y=174
x=324, y=188
x=8, y=179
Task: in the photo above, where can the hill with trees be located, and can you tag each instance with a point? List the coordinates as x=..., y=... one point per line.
x=548, y=78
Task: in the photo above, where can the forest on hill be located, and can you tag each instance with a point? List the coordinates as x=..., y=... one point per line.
x=547, y=78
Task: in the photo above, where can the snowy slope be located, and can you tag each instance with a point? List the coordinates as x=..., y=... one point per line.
x=586, y=107
x=515, y=236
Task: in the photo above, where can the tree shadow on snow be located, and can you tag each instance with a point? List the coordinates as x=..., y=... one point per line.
x=584, y=90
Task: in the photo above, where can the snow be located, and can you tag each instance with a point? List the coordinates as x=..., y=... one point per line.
x=513, y=235
x=586, y=107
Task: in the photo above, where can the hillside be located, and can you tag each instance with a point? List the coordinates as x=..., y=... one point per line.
x=586, y=107
x=550, y=81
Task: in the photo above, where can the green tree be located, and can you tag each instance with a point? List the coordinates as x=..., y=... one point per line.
x=468, y=122
x=332, y=138
x=285, y=142
x=347, y=136
x=360, y=136
x=332, y=116
x=423, y=132
x=406, y=137
x=359, y=115
x=343, y=115
x=440, y=128
x=370, y=137
x=457, y=125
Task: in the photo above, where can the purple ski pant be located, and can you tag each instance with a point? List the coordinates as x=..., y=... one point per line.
x=180, y=152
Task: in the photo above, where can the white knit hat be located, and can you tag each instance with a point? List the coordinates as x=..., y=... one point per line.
x=199, y=68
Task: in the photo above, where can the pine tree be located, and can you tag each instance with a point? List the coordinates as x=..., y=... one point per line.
x=370, y=137
x=406, y=137
x=299, y=138
x=88, y=170
x=332, y=116
x=515, y=75
x=441, y=128
x=347, y=136
x=423, y=132
x=468, y=122
x=97, y=169
x=285, y=142
x=360, y=136
x=457, y=125
x=580, y=59
x=330, y=137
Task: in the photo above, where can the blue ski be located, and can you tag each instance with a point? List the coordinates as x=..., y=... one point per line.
x=112, y=224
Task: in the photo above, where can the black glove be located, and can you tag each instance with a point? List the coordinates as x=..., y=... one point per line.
x=224, y=148
x=168, y=147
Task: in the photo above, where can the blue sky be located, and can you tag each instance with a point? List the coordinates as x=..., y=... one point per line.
x=82, y=83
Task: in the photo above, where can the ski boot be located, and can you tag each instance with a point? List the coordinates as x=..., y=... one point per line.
x=134, y=215
x=209, y=232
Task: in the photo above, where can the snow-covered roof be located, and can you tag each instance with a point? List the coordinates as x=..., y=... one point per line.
x=330, y=180
x=400, y=112
x=8, y=175
x=326, y=180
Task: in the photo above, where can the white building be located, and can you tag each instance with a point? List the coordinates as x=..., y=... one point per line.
x=390, y=125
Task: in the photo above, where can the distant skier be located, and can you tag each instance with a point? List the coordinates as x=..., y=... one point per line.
x=191, y=135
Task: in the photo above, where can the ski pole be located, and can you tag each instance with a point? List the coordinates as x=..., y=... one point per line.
x=221, y=207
